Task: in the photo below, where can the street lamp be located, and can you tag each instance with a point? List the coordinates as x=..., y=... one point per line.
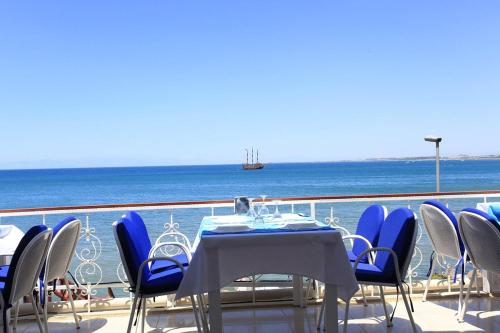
x=436, y=140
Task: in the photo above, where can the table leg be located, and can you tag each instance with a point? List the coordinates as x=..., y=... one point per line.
x=298, y=287
x=215, y=311
x=331, y=309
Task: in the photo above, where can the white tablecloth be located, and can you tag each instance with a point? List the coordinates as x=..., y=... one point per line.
x=10, y=236
x=221, y=259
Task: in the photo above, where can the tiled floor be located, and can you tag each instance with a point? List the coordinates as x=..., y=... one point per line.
x=483, y=315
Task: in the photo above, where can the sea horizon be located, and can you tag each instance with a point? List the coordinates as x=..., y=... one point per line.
x=460, y=157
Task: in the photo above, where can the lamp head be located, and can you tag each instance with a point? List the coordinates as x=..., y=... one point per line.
x=432, y=138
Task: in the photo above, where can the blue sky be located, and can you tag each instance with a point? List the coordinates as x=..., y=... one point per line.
x=105, y=83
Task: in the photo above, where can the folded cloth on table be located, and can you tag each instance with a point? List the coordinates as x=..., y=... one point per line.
x=266, y=231
x=226, y=228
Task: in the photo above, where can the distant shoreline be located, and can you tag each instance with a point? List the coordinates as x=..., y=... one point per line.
x=367, y=160
x=444, y=158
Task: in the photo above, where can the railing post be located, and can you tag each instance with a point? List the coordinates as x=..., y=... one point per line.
x=313, y=210
x=43, y=219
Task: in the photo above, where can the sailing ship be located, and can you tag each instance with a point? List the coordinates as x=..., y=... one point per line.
x=252, y=166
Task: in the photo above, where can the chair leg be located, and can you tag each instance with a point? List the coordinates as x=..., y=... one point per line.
x=346, y=315
x=5, y=319
x=407, y=305
x=433, y=265
x=45, y=308
x=143, y=319
x=382, y=296
x=460, y=295
x=321, y=313
x=132, y=313
x=16, y=314
x=308, y=290
x=203, y=313
x=365, y=303
x=195, y=311
x=464, y=306
x=37, y=316
x=70, y=295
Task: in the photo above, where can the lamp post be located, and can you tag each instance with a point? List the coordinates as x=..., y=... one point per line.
x=436, y=140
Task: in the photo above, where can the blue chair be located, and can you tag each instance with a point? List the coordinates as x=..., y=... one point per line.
x=366, y=236
x=442, y=229
x=394, y=251
x=367, y=232
x=23, y=272
x=481, y=236
x=137, y=257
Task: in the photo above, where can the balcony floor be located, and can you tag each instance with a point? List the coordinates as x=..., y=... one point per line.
x=483, y=315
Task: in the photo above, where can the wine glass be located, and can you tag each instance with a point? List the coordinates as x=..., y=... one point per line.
x=277, y=214
x=251, y=209
x=263, y=210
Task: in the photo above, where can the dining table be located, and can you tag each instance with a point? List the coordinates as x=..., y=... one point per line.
x=231, y=247
x=10, y=236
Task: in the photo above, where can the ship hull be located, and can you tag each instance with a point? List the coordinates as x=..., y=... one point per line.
x=255, y=166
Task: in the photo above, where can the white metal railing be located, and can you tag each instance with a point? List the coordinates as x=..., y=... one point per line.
x=89, y=273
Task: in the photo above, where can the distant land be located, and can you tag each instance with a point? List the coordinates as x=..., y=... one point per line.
x=462, y=157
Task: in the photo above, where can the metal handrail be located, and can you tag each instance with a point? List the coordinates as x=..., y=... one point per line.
x=229, y=203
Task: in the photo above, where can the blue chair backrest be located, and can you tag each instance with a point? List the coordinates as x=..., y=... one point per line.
x=398, y=233
x=452, y=218
x=135, y=244
x=61, y=224
x=369, y=226
x=484, y=215
x=27, y=238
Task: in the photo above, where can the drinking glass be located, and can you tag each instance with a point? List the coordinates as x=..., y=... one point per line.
x=263, y=210
x=251, y=210
x=277, y=214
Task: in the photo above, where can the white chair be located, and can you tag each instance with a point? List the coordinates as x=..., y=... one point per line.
x=61, y=251
x=24, y=271
x=481, y=237
x=442, y=228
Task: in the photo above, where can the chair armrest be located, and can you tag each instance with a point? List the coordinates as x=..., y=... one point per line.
x=367, y=242
x=384, y=249
x=147, y=261
x=181, y=246
x=347, y=232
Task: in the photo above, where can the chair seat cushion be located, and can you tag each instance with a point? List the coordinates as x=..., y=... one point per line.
x=162, y=282
x=163, y=265
x=353, y=257
x=371, y=273
x=4, y=270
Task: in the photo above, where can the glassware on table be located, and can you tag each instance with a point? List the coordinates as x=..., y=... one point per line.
x=251, y=209
x=263, y=210
x=276, y=214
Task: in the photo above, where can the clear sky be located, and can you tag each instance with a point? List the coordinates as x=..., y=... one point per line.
x=105, y=83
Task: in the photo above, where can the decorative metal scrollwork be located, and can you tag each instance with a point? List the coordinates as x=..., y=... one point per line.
x=172, y=234
x=88, y=273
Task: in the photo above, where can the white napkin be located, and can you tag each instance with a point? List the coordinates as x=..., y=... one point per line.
x=5, y=230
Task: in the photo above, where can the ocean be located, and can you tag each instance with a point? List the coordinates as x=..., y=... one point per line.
x=63, y=187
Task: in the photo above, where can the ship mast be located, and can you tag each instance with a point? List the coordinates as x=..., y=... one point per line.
x=252, y=155
x=257, y=156
x=247, y=154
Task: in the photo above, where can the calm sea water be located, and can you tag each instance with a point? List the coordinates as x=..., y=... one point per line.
x=41, y=188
